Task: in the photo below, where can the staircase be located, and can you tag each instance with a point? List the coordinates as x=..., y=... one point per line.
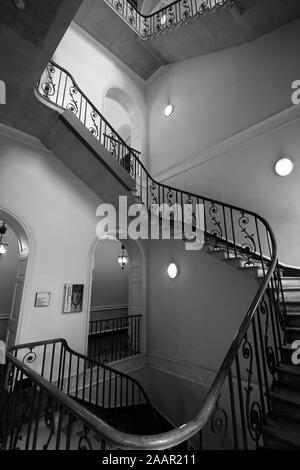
x=282, y=429
x=253, y=399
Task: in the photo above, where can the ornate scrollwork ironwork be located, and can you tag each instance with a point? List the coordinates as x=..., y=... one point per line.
x=30, y=357
x=118, y=6
x=113, y=144
x=187, y=10
x=203, y=7
x=84, y=441
x=131, y=17
x=170, y=199
x=48, y=87
x=217, y=231
x=269, y=350
x=248, y=248
x=49, y=421
x=219, y=422
x=253, y=408
x=73, y=105
x=171, y=16
x=153, y=189
x=94, y=128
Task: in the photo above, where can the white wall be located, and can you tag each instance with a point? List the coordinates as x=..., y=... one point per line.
x=110, y=284
x=218, y=95
x=245, y=176
x=59, y=213
x=193, y=319
x=96, y=70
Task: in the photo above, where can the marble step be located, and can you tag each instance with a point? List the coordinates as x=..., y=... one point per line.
x=290, y=282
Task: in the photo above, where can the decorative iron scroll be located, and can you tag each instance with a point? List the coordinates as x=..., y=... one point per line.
x=175, y=14
x=253, y=408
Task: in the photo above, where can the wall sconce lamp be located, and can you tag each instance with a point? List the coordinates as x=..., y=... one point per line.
x=3, y=242
x=123, y=258
x=284, y=167
x=169, y=110
x=172, y=271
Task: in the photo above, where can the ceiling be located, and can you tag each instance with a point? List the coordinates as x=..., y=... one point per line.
x=208, y=33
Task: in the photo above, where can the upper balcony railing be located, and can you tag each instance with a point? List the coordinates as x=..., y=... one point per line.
x=169, y=17
x=244, y=380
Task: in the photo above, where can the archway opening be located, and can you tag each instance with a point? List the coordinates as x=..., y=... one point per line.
x=117, y=300
x=109, y=304
x=13, y=267
x=121, y=112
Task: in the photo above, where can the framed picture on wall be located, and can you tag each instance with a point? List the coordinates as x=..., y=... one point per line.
x=42, y=299
x=73, y=298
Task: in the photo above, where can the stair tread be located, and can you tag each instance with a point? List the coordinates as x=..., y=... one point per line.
x=289, y=435
x=290, y=369
x=286, y=394
x=291, y=288
x=293, y=328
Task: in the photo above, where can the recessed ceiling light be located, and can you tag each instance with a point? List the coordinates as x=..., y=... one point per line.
x=172, y=271
x=169, y=110
x=284, y=167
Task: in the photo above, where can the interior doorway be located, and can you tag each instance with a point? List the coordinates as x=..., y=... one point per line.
x=109, y=303
x=14, y=253
x=117, y=301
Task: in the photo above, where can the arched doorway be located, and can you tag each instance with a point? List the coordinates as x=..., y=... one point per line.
x=121, y=112
x=116, y=331
x=13, y=268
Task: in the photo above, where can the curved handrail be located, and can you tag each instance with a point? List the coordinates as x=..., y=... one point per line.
x=92, y=362
x=130, y=150
x=48, y=92
x=168, y=17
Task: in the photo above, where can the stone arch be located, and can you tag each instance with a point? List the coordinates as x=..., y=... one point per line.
x=124, y=100
x=137, y=278
x=24, y=245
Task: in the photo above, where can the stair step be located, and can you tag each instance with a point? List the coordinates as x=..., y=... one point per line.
x=275, y=437
x=254, y=272
x=292, y=333
x=292, y=294
x=290, y=282
x=292, y=305
x=293, y=319
x=289, y=375
x=287, y=352
x=285, y=405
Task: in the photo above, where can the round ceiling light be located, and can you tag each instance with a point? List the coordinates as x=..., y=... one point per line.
x=172, y=271
x=169, y=110
x=284, y=167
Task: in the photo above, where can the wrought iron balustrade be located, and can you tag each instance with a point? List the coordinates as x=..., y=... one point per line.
x=241, y=389
x=167, y=18
x=35, y=415
x=113, y=339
